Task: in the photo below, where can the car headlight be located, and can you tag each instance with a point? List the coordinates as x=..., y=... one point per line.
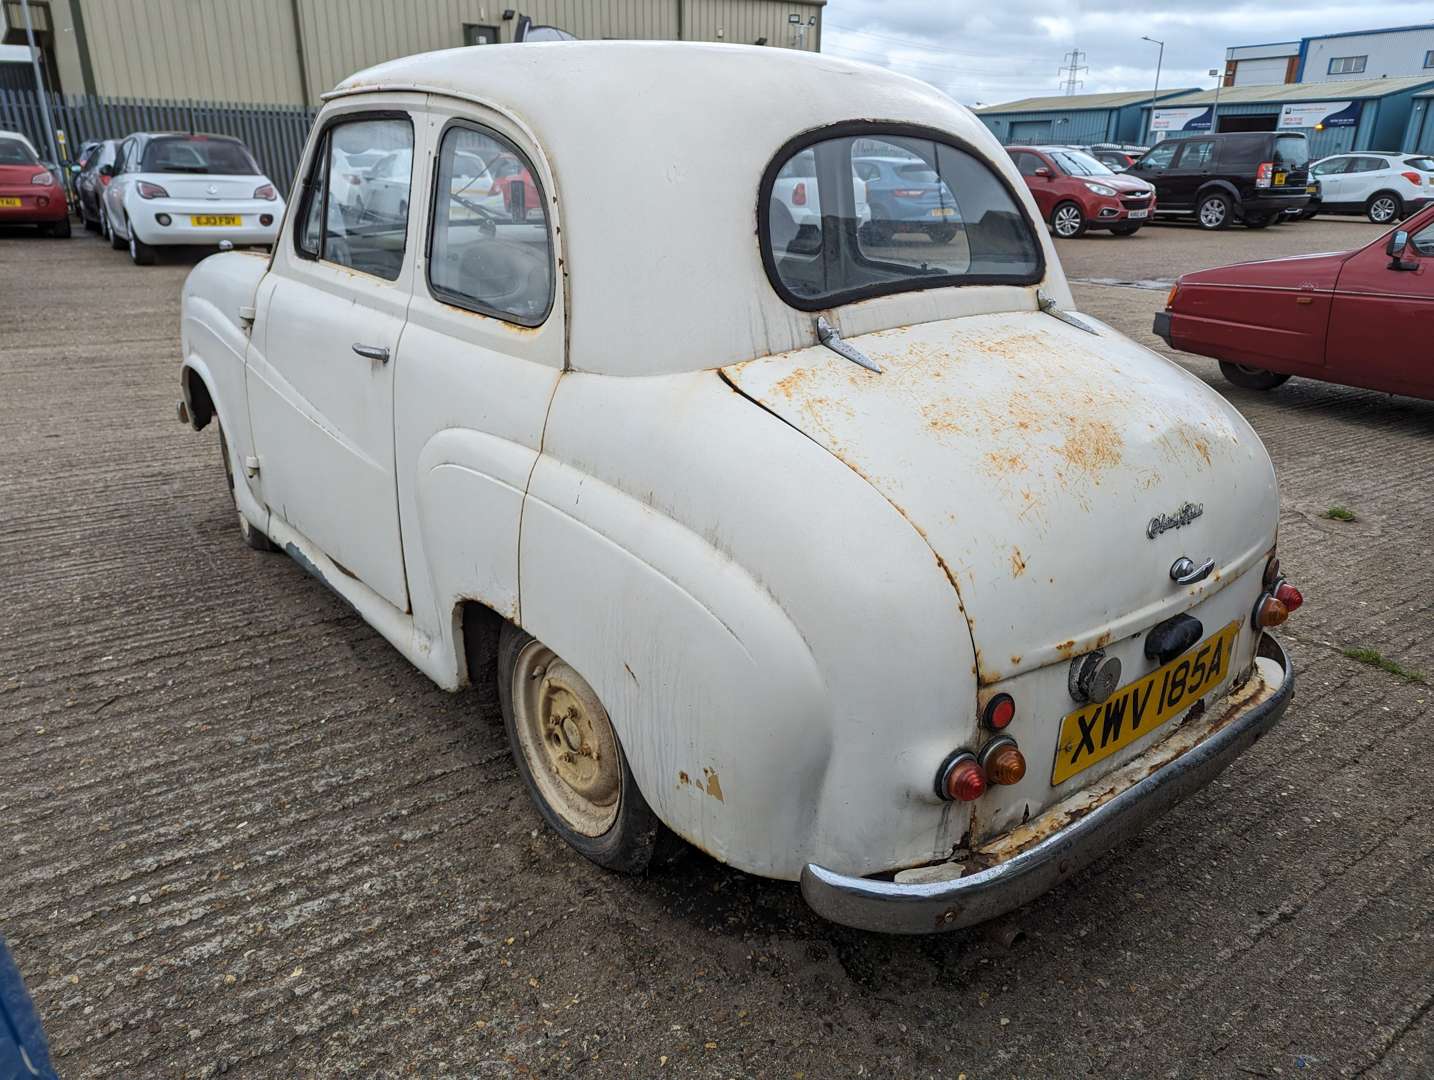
x=1100, y=189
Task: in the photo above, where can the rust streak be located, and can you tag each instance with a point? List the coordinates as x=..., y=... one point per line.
x=714, y=788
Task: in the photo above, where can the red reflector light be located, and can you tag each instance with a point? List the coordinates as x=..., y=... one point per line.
x=799, y=195
x=1262, y=174
x=1288, y=595
x=1000, y=711
x=1270, y=612
x=909, y=193
x=105, y=181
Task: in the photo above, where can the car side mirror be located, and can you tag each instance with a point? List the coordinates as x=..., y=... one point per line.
x=1042, y=171
x=107, y=170
x=1395, y=249
x=75, y=169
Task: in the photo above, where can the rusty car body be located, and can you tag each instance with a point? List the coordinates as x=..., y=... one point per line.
x=779, y=534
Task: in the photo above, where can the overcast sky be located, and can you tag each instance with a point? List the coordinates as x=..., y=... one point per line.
x=1000, y=50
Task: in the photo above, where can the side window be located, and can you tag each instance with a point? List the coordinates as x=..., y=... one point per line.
x=359, y=189
x=1159, y=157
x=120, y=155
x=1198, y=155
x=1028, y=163
x=1333, y=167
x=490, y=249
x=1424, y=240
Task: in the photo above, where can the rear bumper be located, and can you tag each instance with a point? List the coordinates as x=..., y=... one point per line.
x=31, y=214
x=895, y=908
x=1161, y=328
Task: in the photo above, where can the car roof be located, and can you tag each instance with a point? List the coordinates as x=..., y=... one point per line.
x=700, y=124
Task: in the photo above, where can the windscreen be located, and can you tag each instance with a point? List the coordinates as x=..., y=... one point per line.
x=198, y=154
x=875, y=213
x=1292, y=151
x=1079, y=163
x=14, y=152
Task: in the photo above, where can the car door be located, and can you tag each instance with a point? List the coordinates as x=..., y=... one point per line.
x=1153, y=167
x=1190, y=169
x=114, y=191
x=1379, y=324
x=1331, y=176
x=329, y=318
x=1029, y=163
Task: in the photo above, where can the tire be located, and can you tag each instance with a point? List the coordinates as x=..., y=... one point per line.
x=140, y=253
x=1307, y=215
x=880, y=228
x=116, y=241
x=1213, y=212
x=1259, y=221
x=944, y=235
x=1384, y=208
x=1251, y=378
x=255, y=538
x=61, y=229
x=1124, y=230
x=1068, y=221
x=569, y=757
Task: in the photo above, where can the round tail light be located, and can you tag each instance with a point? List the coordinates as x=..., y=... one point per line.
x=163, y=219
x=1288, y=595
x=999, y=712
x=1003, y=762
x=1270, y=612
x=266, y=219
x=961, y=779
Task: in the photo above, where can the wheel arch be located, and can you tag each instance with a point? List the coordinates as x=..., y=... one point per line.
x=1223, y=187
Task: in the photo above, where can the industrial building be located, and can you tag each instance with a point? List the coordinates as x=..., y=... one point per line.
x=289, y=52
x=1395, y=52
x=1419, y=132
x=1073, y=118
x=1372, y=114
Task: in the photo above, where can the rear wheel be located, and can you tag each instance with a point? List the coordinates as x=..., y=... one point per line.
x=1213, y=212
x=1258, y=221
x=569, y=756
x=1384, y=207
x=1068, y=221
x=1251, y=378
x=140, y=253
x=255, y=538
x=61, y=229
x=944, y=235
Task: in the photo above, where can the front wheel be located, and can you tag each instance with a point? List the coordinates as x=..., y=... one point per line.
x=255, y=538
x=1251, y=378
x=1213, y=212
x=1384, y=208
x=569, y=756
x=1068, y=221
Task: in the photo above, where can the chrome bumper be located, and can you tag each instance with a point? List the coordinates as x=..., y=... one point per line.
x=893, y=908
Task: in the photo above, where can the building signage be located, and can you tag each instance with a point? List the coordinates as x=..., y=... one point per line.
x=1315, y=114
x=1168, y=121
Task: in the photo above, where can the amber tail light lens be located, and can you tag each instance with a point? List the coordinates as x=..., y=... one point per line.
x=961, y=778
x=1003, y=762
x=1270, y=612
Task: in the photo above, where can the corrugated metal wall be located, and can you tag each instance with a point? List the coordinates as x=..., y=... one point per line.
x=1082, y=127
x=1419, y=134
x=246, y=50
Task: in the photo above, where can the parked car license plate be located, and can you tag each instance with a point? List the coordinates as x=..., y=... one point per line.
x=215, y=219
x=9, y=202
x=1093, y=733
x=1136, y=215
x=942, y=211
x=1279, y=179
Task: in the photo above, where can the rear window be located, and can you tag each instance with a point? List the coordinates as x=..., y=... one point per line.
x=14, y=152
x=1293, y=151
x=1423, y=164
x=1243, y=150
x=198, y=154
x=828, y=236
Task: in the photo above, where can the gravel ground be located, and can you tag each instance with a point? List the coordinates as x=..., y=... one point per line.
x=244, y=837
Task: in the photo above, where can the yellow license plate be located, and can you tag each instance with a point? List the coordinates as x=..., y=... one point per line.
x=1279, y=179
x=10, y=202
x=1095, y=732
x=215, y=219
x=942, y=211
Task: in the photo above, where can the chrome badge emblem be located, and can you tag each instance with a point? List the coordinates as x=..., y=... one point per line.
x=1161, y=523
x=212, y=190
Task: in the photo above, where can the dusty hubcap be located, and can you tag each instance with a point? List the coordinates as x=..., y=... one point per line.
x=1067, y=221
x=567, y=740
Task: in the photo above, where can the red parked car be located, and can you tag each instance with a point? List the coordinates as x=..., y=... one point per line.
x=1076, y=192
x=30, y=193
x=1358, y=318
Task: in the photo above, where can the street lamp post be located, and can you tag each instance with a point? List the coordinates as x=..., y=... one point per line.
x=1215, y=110
x=1156, y=92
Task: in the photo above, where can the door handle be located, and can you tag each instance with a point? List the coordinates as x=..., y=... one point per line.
x=1185, y=572
x=372, y=352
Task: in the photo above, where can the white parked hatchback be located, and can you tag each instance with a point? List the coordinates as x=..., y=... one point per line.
x=175, y=189
x=871, y=565
x=1385, y=187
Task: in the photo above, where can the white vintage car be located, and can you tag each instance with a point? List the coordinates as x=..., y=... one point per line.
x=873, y=567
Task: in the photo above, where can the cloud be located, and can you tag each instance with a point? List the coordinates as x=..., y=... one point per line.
x=1015, y=48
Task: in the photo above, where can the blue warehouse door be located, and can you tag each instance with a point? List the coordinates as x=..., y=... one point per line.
x=1026, y=132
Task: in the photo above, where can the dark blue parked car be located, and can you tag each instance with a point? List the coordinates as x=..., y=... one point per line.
x=906, y=196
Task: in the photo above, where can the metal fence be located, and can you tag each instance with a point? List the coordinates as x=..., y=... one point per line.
x=275, y=133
